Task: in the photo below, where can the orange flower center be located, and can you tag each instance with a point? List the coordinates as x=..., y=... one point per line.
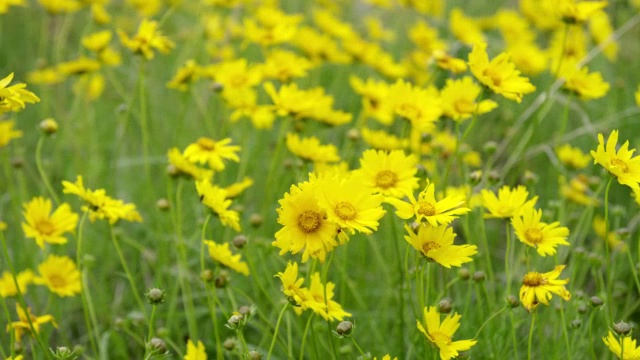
x=309, y=221
x=426, y=208
x=620, y=165
x=45, y=227
x=386, y=179
x=206, y=144
x=345, y=210
x=533, y=279
x=429, y=245
x=533, y=236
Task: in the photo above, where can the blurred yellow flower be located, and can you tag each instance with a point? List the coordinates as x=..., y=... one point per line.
x=45, y=76
x=283, y=65
x=464, y=28
x=44, y=226
x=187, y=74
x=179, y=165
x=577, y=11
x=212, y=152
x=5, y=4
x=421, y=106
x=600, y=228
x=79, y=66
x=389, y=173
x=620, y=163
x=222, y=254
x=215, y=198
x=625, y=349
x=459, y=99
x=60, y=275
x=146, y=40
x=381, y=140
x=14, y=97
x=8, y=286
x=542, y=236
x=573, y=156
x=577, y=190
x=499, y=74
x=26, y=319
x=508, y=203
x=537, y=288
x=436, y=244
x=374, y=98
x=60, y=6
x=587, y=86
x=8, y=133
x=195, y=351
x=440, y=333
x=310, y=149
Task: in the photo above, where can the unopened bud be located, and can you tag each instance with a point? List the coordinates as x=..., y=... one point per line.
x=239, y=241
x=596, y=301
x=479, y=276
x=48, y=126
x=444, y=306
x=513, y=301
x=155, y=296
x=345, y=328
x=622, y=328
x=163, y=204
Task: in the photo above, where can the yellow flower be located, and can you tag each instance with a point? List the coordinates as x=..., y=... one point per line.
x=44, y=226
x=587, y=86
x=98, y=41
x=389, y=173
x=14, y=97
x=46, y=76
x=310, y=149
x=464, y=28
x=637, y=96
x=386, y=357
x=440, y=333
x=577, y=190
x=305, y=224
x=212, y=152
x=573, y=156
x=319, y=298
x=8, y=286
x=459, y=99
x=270, y=26
x=222, y=254
x=499, y=74
x=374, y=98
x=146, y=40
x=422, y=107
x=187, y=74
x=215, y=198
x=542, y=236
x=80, y=66
x=183, y=166
x=448, y=62
x=601, y=32
x=381, y=140
x=528, y=57
x=291, y=284
x=537, y=288
x=283, y=65
x=4, y=8
x=99, y=205
x=349, y=204
x=60, y=275
x=600, y=228
x=576, y=11
x=238, y=188
x=8, y=133
x=620, y=163
x=628, y=344
x=427, y=208
x=3, y=225
x=60, y=6
x=508, y=203
x=235, y=74
x=26, y=319
x=436, y=244
x=195, y=352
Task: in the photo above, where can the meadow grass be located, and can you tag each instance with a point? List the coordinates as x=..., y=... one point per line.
x=117, y=139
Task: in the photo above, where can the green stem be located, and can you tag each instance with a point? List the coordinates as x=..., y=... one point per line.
x=245, y=348
x=634, y=271
x=506, y=258
x=565, y=333
x=212, y=298
x=304, y=336
x=401, y=274
x=132, y=281
x=87, y=305
x=143, y=121
x=489, y=319
x=607, y=252
x=530, y=342
x=202, y=239
x=364, y=356
x=514, y=339
x=275, y=332
x=43, y=174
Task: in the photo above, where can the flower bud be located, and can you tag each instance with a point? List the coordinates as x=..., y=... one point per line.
x=575, y=323
x=236, y=321
x=479, y=276
x=172, y=170
x=48, y=126
x=17, y=162
x=490, y=147
x=157, y=346
x=582, y=308
x=475, y=176
x=464, y=274
x=222, y=280
x=622, y=328
x=254, y=355
x=155, y=296
x=229, y=344
x=255, y=220
x=239, y=241
x=596, y=301
x=345, y=328
x=245, y=311
x=207, y=275
x=64, y=353
x=163, y=204
x=353, y=134
x=444, y=306
x=513, y=301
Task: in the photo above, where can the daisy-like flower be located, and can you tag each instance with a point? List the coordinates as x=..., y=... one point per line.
x=599, y=226
x=537, y=288
x=349, y=204
x=459, y=99
x=222, y=254
x=637, y=96
x=374, y=98
x=14, y=97
x=187, y=74
x=146, y=40
x=179, y=165
x=577, y=190
x=238, y=188
x=621, y=163
x=427, y=208
x=542, y=236
x=499, y=74
x=8, y=286
x=8, y=132
x=26, y=319
x=576, y=11
x=319, y=298
x=389, y=173
x=60, y=275
x=382, y=140
x=195, y=351
x=44, y=226
x=5, y=4
x=311, y=149
x=208, y=151
x=216, y=199
x=631, y=351
x=436, y=244
x=305, y=224
x=440, y=333
x=291, y=284
x=284, y=65
x=508, y=203
x=586, y=85
x=422, y=107
x=99, y=205
x=573, y=156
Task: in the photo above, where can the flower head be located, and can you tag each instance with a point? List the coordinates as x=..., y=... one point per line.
x=508, y=203
x=422, y=107
x=311, y=149
x=319, y=298
x=8, y=132
x=459, y=99
x=60, y=275
x=586, y=85
x=291, y=284
x=209, y=151
x=620, y=163
x=389, y=173
x=222, y=254
x=14, y=97
x=44, y=226
x=499, y=74
x=436, y=243
x=542, y=236
x=216, y=199
x=26, y=319
x=146, y=40
x=631, y=351
x=184, y=167
x=573, y=156
x=8, y=286
x=195, y=351
x=537, y=288
x=440, y=333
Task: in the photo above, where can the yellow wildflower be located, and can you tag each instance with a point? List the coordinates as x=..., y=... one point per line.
x=620, y=163
x=508, y=203
x=215, y=198
x=8, y=133
x=311, y=149
x=14, y=97
x=212, y=152
x=146, y=40
x=436, y=244
x=389, y=173
x=195, y=351
x=537, y=288
x=44, y=226
x=222, y=254
x=440, y=333
x=26, y=319
x=542, y=236
x=60, y=275
x=8, y=285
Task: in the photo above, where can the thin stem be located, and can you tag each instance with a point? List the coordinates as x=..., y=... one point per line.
x=132, y=282
x=87, y=306
x=506, y=258
x=530, y=342
x=143, y=121
x=43, y=174
x=275, y=332
x=364, y=356
x=607, y=251
x=304, y=336
x=401, y=273
x=202, y=238
x=565, y=333
x=489, y=319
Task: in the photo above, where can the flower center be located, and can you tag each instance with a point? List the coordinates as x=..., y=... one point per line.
x=386, y=179
x=440, y=338
x=426, y=208
x=309, y=221
x=45, y=227
x=206, y=143
x=429, y=245
x=345, y=210
x=464, y=106
x=533, y=279
x=620, y=165
x=534, y=236
x=495, y=78
x=56, y=281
